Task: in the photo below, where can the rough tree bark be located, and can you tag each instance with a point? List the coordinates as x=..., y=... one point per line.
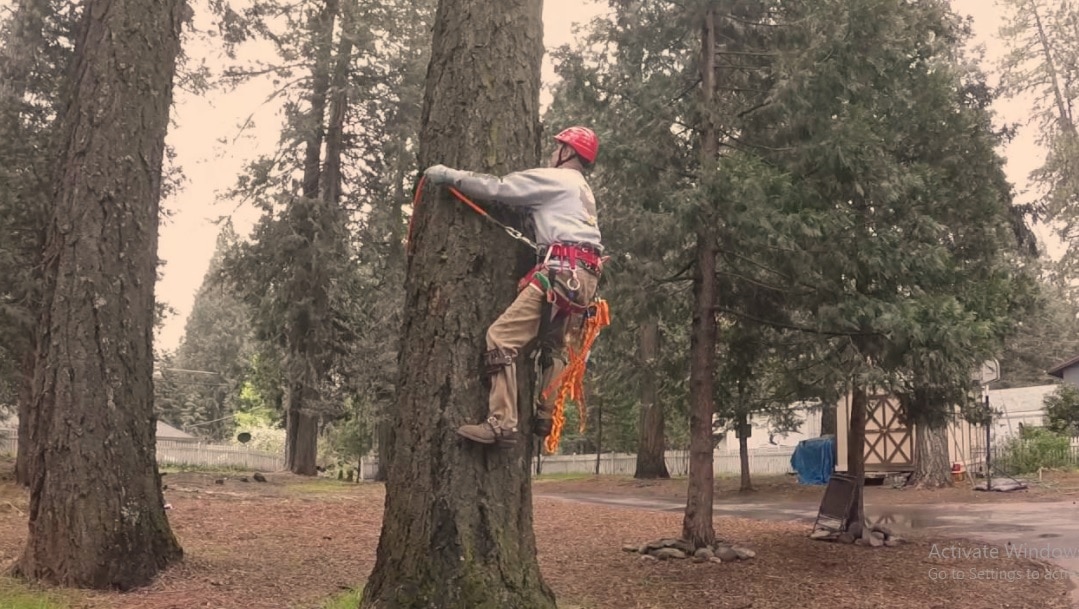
x=697, y=527
x=301, y=425
x=932, y=467
x=651, y=444
x=97, y=515
x=856, y=461
x=457, y=530
x=385, y=446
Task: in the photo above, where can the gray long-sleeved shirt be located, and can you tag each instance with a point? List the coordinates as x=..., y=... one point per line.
x=561, y=202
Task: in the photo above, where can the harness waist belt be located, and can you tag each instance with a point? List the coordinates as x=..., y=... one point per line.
x=586, y=254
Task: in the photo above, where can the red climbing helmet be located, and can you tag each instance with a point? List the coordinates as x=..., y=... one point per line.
x=583, y=141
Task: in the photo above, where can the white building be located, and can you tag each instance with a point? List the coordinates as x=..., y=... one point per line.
x=765, y=435
x=1019, y=406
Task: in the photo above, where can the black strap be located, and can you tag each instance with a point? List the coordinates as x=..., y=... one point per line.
x=546, y=320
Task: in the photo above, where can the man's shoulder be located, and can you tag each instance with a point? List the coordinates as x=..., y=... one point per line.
x=556, y=174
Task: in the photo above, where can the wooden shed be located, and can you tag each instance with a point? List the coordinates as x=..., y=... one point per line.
x=889, y=438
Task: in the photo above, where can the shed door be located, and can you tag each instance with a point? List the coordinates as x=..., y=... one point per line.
x=889, y=440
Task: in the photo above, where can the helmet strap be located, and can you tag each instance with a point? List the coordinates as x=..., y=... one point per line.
x=562, y=158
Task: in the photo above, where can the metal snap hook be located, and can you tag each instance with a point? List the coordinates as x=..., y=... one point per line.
x=574, y=283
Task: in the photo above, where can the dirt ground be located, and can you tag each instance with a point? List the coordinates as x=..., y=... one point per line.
x=293, y=543
x=1053, y=486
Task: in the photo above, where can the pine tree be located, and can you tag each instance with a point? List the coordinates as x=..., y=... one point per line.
x=97, y=516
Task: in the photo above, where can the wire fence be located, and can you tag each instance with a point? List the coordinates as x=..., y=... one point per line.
x=1023, y=457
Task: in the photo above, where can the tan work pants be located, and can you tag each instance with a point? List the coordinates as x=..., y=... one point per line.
x=518, y=325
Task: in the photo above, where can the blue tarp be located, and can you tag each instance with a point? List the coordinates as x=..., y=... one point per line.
x=814, y=460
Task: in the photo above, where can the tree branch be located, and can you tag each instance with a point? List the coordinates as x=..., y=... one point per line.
x=789, y=326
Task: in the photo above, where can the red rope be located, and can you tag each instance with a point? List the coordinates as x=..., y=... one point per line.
x=415, y=208
x=512, y=232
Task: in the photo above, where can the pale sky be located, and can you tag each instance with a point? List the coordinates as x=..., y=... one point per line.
x=187, y=239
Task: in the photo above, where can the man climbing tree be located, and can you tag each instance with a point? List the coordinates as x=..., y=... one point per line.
x=457, y=529
x=97, y=516
x=564, y=213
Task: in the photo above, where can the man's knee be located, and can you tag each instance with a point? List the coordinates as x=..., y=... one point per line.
x=498, y=359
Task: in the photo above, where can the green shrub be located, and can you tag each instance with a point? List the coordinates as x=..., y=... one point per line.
x=1062, y=410
x=1036, y=448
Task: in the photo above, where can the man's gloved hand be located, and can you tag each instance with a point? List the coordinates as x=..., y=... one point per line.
x=438, y=174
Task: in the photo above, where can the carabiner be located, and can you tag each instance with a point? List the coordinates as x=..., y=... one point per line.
x=574, y=283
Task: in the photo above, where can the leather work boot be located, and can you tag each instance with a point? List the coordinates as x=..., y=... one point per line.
x=489, y=432
x=542, y=427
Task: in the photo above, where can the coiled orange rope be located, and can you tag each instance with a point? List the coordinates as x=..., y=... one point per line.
x=571, y=382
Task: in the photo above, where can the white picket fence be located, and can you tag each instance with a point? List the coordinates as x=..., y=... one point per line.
x=762, y=461
x=186, y=453
x=174, y=452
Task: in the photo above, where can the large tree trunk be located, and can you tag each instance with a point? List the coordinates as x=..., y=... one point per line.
x=97, y=516
x=301, y=432
x=932, y=467
x=856, y=460
x=457, y=529
x=697, y=527
x=651, y=445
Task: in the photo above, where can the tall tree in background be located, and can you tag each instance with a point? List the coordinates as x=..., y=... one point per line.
x=828, y=221
x=1043, y=64
x=923, y=290
x=697, y=527
x=296, y=272
x=457, y=530
x=97, y=515
x=384, y=155
x=34, y=57
x=370, y=122
x=317, y=226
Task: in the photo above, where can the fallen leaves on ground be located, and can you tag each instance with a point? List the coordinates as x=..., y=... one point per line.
x=292, y=543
